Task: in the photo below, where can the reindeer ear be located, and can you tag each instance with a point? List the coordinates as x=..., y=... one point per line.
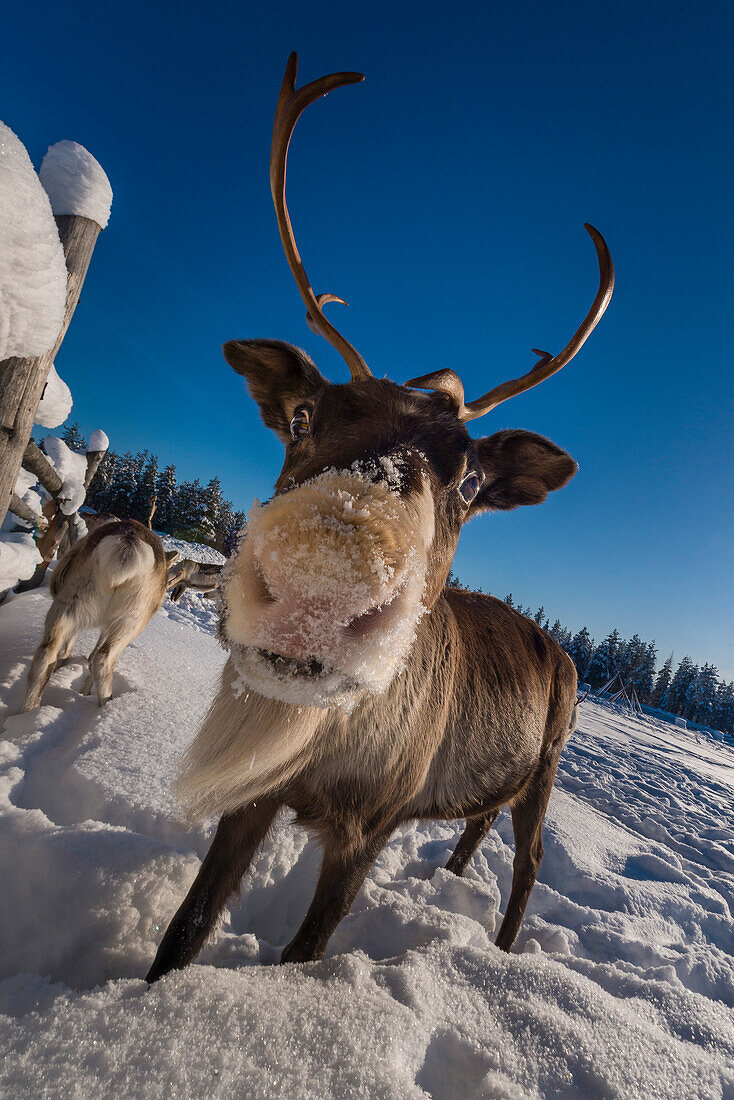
x=279, y=376
x=519, y=468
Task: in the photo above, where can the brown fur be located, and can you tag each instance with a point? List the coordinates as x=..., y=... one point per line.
x=114, y=578
x=476, y=721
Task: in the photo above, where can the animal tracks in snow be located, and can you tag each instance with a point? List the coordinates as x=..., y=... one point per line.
x=621, y=984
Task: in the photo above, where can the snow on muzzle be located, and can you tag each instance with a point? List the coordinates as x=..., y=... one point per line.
x=325, y=591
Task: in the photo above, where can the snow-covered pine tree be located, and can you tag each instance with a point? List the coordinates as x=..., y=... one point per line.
x=125, y=484
x=675, y=701
x=641, y=676
x=190, y=511
x=100, y=492
x=539, y=615
x=166, y=492
x=74, y=439
x=580, y=650
x=212, y=511
x=145, y=489
x=701, y=695
x=724, y=716
x=225, y=523
x=508, y=600
x=630, y=654
x=662, y=683
x=605, y=660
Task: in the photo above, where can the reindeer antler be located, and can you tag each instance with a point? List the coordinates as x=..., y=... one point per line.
x=291, y=105
x=448, y=382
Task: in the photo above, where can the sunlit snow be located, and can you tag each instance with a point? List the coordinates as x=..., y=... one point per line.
x=621, y=983
x=32, y=265
x=76, y=183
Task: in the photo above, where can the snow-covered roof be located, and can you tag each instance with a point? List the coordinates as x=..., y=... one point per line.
x=32, y=266
x=76, y=183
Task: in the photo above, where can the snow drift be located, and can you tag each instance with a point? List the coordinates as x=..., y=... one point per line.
x=621, y=984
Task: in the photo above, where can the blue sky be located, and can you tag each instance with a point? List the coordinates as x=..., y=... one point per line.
x=445, y=199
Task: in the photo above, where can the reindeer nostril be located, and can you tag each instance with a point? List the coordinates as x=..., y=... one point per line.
x=361, y=624
x=263, y=592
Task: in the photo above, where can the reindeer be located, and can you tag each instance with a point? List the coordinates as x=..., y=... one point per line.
x=115, y=578
x=360, y=690
x=202, y=577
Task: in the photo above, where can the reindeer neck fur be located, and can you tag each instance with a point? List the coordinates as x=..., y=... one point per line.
x=442, y=739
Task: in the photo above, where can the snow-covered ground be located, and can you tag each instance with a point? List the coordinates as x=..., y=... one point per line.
x=194, y=551
x=621, y=983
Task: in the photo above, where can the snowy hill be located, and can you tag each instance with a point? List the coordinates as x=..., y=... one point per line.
x=621, y=983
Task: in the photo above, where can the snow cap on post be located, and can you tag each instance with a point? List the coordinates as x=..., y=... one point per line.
x=71, y=468
x=56, y=402
x=98, y=441
x=32, y=266
x=76, y=183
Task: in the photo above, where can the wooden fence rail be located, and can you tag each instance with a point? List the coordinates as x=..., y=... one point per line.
x=22, y=380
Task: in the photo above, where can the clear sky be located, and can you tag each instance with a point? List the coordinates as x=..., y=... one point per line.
x=445, y=199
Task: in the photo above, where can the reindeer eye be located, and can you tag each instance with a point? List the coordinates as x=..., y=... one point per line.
x=300, y=424
x=469, y=487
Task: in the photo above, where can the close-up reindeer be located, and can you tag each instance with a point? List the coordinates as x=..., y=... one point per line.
x=114, y=578
x=360, y=691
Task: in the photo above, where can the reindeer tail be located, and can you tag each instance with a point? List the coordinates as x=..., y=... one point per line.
x=123, y=555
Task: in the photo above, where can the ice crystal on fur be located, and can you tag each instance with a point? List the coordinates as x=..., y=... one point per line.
x=321, y=600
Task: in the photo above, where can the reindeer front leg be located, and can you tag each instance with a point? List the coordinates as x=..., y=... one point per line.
x=343, y=870
x=236, y=840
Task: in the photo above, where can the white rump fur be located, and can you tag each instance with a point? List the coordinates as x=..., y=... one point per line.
x=248, y=745
x=118, y=562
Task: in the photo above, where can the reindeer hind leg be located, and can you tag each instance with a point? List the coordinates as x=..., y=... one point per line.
x=58, y=629
x=473, y=835
x=528, y=814
x=125, y=620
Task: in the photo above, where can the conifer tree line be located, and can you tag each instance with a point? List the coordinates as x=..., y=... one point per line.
x=692, y=691
x=128, y=485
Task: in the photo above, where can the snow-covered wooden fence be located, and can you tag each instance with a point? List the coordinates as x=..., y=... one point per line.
x=49, y=224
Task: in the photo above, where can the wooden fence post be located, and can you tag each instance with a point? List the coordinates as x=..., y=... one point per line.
x=22, y=380
x=60, y=531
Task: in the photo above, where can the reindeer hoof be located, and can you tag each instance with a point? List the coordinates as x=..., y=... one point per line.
x=300, y=953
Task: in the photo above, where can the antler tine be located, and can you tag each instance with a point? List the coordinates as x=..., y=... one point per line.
x=322, y=300
x=292, y=103
x=442, y=381
x=547, y=364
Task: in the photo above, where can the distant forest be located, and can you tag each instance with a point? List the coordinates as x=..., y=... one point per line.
x=130, y=485
x=691, y=691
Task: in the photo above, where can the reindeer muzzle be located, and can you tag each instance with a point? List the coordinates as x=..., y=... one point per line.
x=326, y=587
